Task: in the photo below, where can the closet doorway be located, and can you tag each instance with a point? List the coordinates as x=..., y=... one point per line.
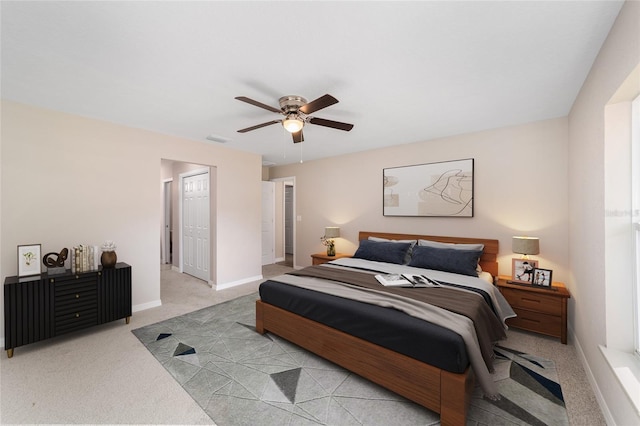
x=285, y=221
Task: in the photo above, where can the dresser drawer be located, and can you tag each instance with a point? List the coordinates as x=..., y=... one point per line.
x=76, y=320
x=535, y=321
x=75, y=301
x=537, y=302
x=73, y=294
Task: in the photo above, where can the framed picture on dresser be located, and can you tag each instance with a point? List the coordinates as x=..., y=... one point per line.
x=522, y=270
x=542, y=277
x=28, y=260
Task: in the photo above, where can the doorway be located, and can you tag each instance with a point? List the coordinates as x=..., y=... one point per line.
x=286, y=222
x=167, y=227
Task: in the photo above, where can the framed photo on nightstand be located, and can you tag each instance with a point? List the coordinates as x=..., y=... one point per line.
x=542, y=277
x=522, y=270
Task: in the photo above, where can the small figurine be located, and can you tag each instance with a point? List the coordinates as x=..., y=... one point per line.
x=58, y=262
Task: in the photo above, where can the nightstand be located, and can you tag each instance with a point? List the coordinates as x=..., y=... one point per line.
x=320, y=258
x=540, y=309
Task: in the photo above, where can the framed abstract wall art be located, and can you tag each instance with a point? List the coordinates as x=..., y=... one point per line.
x=443, y=189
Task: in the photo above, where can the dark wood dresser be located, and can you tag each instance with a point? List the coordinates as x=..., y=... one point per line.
x=44, y=306
x=540, y=309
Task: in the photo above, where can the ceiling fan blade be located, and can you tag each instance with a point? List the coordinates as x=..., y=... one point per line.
x=330, y=123
x=297, y=137
x=318, y=104
x=258, y=104
x=257, y=126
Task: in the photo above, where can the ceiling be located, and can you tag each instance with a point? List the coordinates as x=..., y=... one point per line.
x=403, y=71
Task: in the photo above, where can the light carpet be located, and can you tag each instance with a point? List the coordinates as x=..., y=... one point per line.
x=240, y=377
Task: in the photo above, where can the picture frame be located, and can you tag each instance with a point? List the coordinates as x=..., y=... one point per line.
x=522, y=270
x=29, y=260
x=443, y=189
x=542, y=277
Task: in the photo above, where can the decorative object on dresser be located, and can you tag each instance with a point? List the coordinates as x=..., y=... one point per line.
x=542, y=277
x=320, y=258
x=46, y=306
x=330, y=232
x=29, y=260
x=539, y=309
x=55, y=261
x=84, y=258
x=109, y=256
x=443, y=189
x=523, y=270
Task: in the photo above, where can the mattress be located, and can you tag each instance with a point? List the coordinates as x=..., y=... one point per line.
x=386, y=327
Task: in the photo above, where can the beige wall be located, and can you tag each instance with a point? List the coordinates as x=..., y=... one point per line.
x=619, y=55
x=68, y=180
x=520, y=188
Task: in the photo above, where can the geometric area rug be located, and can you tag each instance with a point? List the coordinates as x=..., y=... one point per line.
x=240, y=377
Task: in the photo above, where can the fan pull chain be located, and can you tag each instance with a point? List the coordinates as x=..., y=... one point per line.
x=300, y=152
x=284, y=143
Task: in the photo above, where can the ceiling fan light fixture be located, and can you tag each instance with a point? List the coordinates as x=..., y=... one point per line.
x=292, y=123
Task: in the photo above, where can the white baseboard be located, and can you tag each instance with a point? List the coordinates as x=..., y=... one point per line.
x=144, y=306
x=223, y=286
x=592, y=381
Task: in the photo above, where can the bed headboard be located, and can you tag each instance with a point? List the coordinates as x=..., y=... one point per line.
x=488, y=260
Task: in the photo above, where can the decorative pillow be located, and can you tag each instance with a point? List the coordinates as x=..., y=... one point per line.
x=407, y=257
x=382, y=251
x=456, y=246
x=446, y=259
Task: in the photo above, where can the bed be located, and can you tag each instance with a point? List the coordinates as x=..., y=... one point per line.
x=440, y=378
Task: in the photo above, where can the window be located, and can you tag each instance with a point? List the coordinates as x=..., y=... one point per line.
x=635, y=213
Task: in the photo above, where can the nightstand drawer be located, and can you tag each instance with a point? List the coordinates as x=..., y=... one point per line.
x=535, y=321
x=543, y=303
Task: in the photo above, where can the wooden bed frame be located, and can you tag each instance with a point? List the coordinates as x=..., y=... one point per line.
x=438, y=390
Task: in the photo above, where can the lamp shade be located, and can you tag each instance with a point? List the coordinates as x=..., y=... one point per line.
x=292, y=123
x=331, y=232
x=525, y=245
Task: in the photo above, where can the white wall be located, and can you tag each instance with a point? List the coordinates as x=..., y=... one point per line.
x=68, y=180
x=520, y=187
x=619, y=55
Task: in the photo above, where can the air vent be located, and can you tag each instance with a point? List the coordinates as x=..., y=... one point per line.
x=219, y=139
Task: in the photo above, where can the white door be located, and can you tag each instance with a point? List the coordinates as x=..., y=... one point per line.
x=195, y=225
x=268, y=223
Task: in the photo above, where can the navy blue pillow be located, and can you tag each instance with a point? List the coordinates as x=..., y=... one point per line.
x=390, y=252
x=458, y=261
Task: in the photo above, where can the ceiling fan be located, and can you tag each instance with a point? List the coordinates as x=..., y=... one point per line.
x=296, y=111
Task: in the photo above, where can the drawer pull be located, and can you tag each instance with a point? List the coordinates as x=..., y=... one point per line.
x=531, y=320
x=77, y=315
x=531, y=300
x=77, y=296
